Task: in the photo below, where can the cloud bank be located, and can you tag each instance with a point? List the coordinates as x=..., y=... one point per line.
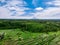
x=20, y=9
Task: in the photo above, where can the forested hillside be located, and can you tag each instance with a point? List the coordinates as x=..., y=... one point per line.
x=31, y=25
x=29, y=32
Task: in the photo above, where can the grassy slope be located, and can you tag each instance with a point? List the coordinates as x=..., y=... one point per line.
x=15, y=36
x=16, y=33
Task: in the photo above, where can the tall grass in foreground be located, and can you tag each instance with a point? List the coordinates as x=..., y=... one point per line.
x=43, y=39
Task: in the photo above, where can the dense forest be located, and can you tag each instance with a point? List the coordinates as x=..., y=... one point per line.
x=31, y=25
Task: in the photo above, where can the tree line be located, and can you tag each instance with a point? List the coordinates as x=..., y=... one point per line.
x=33, y=26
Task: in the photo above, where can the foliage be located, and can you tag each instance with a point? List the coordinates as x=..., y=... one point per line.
x=29, y=32
x=40, y=39
x=31, y=25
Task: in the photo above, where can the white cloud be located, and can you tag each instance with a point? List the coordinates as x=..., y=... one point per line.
x=39, y=12
x=5, y=14
x=39, y=8
x=55, y=2
x=6, y=10
x=49, y=13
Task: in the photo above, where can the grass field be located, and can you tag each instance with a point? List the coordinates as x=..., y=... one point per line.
x=29, y=32
x=18, y=37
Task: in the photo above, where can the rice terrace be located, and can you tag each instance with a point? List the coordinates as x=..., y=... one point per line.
x=29, y=32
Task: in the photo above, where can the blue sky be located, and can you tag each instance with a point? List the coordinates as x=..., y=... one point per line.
x=29, y=9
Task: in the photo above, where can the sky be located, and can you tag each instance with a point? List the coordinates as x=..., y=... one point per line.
x=29, y=9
